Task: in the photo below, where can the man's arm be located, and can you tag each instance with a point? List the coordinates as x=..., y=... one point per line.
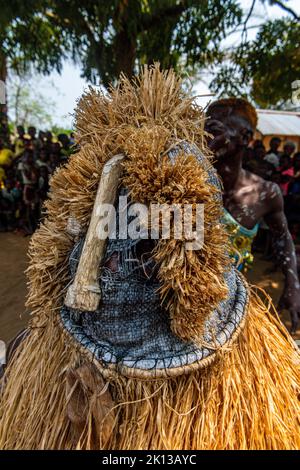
x=284, y=251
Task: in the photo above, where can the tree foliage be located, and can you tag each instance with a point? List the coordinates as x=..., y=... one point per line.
x=29, y=107
x=119, y=35
x=28, y=38
x=107, y=37
x=265, y=68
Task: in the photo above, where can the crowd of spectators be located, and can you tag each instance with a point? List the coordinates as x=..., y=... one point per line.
x=28, y=161
x=283, y=168
x=26, y=164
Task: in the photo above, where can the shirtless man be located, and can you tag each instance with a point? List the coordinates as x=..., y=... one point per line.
x=248, y=197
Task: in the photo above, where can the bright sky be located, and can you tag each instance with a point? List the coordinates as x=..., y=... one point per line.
x=70, y=85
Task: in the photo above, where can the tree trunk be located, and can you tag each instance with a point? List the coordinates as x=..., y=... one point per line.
x=4, y=130
x=125, y=47
x=125, y=40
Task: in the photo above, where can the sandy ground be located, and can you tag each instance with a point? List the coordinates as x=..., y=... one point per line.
x=13, y=262
x=272, y=283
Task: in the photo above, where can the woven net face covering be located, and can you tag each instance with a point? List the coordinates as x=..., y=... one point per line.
x=130, y=332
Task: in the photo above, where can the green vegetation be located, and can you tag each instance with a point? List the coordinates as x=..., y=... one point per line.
x=113, y=36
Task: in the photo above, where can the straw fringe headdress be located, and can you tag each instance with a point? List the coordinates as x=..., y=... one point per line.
x=247, y=398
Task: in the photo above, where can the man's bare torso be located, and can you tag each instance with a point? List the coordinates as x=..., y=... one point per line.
x=251, y=199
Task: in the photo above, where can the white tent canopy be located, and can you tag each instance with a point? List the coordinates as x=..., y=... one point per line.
x=278, y=123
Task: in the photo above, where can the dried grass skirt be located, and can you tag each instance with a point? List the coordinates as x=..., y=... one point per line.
x=247, y=399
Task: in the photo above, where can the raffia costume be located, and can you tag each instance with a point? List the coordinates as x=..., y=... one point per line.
x=186, y=357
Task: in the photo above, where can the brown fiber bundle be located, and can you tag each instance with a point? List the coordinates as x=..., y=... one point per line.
x=247, y=399
x=144, y=120
x=153, y=178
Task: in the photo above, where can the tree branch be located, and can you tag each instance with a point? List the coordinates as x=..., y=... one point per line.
x=239, y=30
x=285, y=8
x=65, y=23
x=244, y=32
x=149, y=20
